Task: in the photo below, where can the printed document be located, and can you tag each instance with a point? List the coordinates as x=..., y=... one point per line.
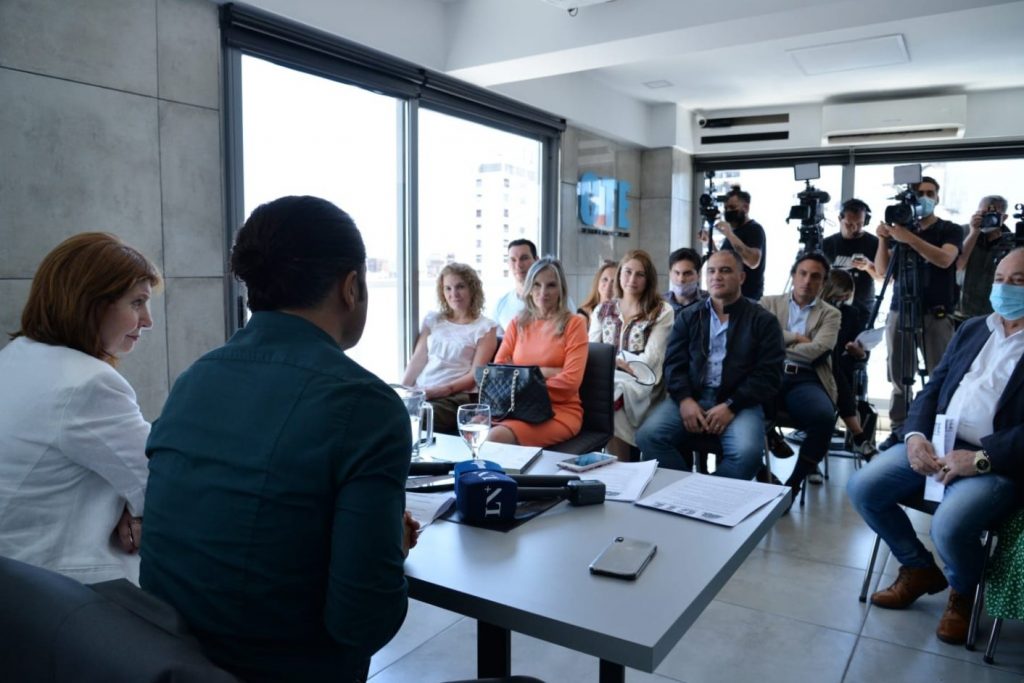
x=713, y=499
x=943, y=439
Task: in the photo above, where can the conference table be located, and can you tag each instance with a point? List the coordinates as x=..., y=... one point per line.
x=535, y=579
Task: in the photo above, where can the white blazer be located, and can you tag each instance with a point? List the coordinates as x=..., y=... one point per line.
x=72, y=453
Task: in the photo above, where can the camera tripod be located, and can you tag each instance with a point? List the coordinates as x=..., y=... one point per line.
x=905, y=267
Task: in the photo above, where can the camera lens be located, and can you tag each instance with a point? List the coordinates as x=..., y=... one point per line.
x=991, y=219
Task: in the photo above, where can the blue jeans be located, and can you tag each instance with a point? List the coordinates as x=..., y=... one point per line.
x=663, y=436
x=970, y=506
x=812, y=411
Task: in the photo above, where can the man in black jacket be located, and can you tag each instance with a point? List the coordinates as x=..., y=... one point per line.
x=724, y=360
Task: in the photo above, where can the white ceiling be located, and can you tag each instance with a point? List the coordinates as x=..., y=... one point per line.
x=591, y=68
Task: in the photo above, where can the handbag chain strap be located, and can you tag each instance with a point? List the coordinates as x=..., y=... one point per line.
x=515, y=380
x=512, y=391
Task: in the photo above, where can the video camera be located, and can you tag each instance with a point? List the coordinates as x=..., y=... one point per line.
x=1012, y=240
x=810, y=211
x=709, y=203
x=907, y=210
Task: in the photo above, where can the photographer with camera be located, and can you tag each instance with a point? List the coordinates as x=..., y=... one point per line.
x=980, y=255
x=745, y=237
x=935, y=244
x=853, y=250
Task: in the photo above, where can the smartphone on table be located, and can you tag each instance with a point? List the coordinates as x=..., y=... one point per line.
x=624, y=558
x=587, y=461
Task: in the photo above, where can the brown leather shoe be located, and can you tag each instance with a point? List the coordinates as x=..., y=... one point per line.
x=956, y=619
x=912, y=583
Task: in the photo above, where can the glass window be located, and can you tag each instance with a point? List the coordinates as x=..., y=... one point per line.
x=308, y=135
x=962, y=185
x=465, y=170
x=772, y=192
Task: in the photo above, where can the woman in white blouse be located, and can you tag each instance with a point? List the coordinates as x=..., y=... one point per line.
x=453, y=340
x=73, y=467
x=637, y=323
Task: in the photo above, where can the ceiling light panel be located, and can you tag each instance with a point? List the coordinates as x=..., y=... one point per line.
x=850, y=55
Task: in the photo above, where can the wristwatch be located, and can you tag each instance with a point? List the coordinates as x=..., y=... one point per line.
x=982, y=464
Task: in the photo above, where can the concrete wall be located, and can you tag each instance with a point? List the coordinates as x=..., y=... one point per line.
x=659, y=210
x=110, y=120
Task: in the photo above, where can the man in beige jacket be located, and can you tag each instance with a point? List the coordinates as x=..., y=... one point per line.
x=809, y=331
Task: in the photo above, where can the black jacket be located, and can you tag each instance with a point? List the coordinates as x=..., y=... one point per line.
x=754, y=352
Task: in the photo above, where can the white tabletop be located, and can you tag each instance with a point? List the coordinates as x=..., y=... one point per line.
x=535, y=578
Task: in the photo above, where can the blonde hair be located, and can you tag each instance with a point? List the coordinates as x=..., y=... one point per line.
x=594, y=297
x=472, y=280
x=530, y=312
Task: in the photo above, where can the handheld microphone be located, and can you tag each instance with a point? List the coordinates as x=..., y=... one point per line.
x=577, y=492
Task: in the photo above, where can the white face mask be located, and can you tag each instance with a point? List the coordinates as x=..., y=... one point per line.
x=684, y=290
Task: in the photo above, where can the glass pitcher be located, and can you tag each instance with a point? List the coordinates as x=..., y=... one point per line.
x=421, y=416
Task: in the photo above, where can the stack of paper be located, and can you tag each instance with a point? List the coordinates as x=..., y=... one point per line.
x=513, y=459
x=426, y=507
x=623, y=481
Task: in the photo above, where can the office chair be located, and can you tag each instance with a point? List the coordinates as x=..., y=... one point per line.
x=597, y=393
x=928, y=507
x=57, y=629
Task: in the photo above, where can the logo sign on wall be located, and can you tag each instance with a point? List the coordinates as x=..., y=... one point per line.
x=603, y=204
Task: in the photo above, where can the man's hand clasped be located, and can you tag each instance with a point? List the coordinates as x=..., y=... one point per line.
x=699, y=421
x=924, y=461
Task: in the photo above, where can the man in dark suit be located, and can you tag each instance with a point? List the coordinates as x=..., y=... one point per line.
x=980, y=382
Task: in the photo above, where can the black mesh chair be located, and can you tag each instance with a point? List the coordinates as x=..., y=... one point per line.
x=598, y=395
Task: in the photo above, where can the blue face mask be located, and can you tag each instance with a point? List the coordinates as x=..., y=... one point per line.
x=927, y=205
x=1007, y=300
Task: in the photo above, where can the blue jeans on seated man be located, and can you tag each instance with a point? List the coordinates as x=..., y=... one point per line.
x=969, y=506
x=811, y=410
x=664, y=438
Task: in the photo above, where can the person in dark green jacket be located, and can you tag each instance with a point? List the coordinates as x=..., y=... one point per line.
x=275, y=513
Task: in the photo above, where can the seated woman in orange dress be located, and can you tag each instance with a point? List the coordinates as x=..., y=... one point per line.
x=547, y=334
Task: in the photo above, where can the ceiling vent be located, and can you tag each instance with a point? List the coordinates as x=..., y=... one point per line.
x=924, y=118
x=724, y=130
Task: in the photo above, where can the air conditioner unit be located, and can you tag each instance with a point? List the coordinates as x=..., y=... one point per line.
x=924, y=118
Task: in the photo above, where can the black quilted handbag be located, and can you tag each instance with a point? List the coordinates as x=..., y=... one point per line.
x=515, y=392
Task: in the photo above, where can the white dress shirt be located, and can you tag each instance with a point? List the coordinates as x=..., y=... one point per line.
x=974, y=401
x=72, y=441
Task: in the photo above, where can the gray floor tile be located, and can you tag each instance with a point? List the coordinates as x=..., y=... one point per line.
x=875, y=661
x=914, y=627
x=818, y=593
x=730, y=643
x=451, y=655
x=827, y=529
x=422, y=623
x=1009, y=654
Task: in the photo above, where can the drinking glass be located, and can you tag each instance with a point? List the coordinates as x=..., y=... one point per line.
x=474, y=420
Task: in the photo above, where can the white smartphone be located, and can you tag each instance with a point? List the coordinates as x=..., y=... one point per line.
x=624, y=558
x=587, y=461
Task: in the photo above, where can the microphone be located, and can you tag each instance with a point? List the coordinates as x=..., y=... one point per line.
x=577, y=492
x=484, y=493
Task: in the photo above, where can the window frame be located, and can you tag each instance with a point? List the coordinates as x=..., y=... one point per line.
x=252, y=32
